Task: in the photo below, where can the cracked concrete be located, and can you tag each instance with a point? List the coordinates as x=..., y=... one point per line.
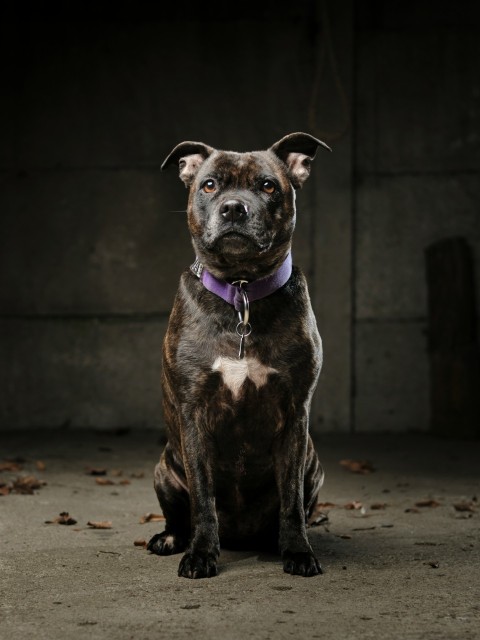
x=401, y=571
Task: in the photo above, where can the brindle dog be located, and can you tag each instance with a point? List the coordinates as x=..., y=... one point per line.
x=239, y=469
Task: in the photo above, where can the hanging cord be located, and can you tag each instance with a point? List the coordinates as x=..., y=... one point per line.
x=327, y=54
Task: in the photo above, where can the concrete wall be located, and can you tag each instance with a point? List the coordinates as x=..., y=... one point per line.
x=417, y=163
x=93, y=237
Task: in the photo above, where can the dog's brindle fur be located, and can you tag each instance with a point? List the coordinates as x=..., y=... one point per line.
x=239, y=468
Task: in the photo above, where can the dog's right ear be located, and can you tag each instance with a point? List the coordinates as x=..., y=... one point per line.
x=189, y=156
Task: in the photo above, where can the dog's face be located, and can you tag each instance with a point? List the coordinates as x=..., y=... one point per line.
x=241, y=206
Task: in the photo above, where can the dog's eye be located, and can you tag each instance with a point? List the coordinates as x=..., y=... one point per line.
x=268, y=187
x=209, y=186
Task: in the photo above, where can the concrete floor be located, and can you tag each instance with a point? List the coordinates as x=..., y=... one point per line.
x=389, y=573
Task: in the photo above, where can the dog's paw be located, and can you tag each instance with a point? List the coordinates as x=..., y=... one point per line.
x=197, y=565
x=166, y=544
x=301, y=564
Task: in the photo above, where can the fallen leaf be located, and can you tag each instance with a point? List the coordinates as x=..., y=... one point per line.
x=100, y=525
x=10, y=465
x=378, y=505
x=465, y=506
x=140, y=542
x=325, y=505
x=104, y=481
x=116, y=472
x=357, y=466
x=125, y=482
x=412, y=510
x=353, y=505
x=465, y=515
x=429, y=502
x=344, y=537
x=137, y=475
x=63, y=518
x=26, y=485
x=318, y=519
x=40, y=465
x=96, y=472
x=363, y=528
x=5, y=490
x=434, y=564
x=152, y=517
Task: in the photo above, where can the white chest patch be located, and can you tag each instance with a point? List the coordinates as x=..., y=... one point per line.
x=235, y=372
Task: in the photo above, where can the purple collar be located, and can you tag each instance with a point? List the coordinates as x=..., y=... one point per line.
x=255, y=290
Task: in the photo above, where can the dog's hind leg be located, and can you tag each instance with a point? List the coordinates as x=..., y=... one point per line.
x=172, y=493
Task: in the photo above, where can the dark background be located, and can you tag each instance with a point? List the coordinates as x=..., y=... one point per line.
x=93, y=239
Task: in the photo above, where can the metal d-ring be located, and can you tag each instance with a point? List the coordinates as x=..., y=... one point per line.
x=246, y=304
x=243, y=328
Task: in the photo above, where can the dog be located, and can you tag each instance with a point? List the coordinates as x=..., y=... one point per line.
x=241, y=359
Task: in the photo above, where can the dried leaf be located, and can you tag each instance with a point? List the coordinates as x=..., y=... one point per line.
x=26, y=485
x=357, y=466
x=412, y=510
x=116, y=472
x=465, y=506
x=10, y=465
x=137, y=475
x=105, y=524
x=364, y=528
x=63, y=518
x=41, y=466
x=344, y=537
x=353, y=505
x=104, y=481
x=125, y=482
x=5, y=489
x=325, y=505
x=96, y=472
x=434, y=564
x=430, y=502
x=376, y=506
x=318, y=519
x=140, y=542
x=152, y=517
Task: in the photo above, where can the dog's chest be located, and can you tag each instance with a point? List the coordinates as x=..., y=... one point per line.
x=235, y=372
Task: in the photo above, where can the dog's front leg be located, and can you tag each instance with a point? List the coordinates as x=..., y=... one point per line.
x=200, y=559
x=289, y=460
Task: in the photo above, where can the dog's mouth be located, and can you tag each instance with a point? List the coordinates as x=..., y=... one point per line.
x=234, y=241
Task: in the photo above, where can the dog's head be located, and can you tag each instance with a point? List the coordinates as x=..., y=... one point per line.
x=241, y=206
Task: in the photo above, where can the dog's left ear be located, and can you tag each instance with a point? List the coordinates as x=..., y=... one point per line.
x=297, y=150
x=188, y=156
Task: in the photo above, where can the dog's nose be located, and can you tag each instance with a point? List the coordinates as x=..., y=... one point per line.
x=233, y=210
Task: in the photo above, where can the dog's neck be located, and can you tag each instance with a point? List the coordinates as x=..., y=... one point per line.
x=256, y=289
